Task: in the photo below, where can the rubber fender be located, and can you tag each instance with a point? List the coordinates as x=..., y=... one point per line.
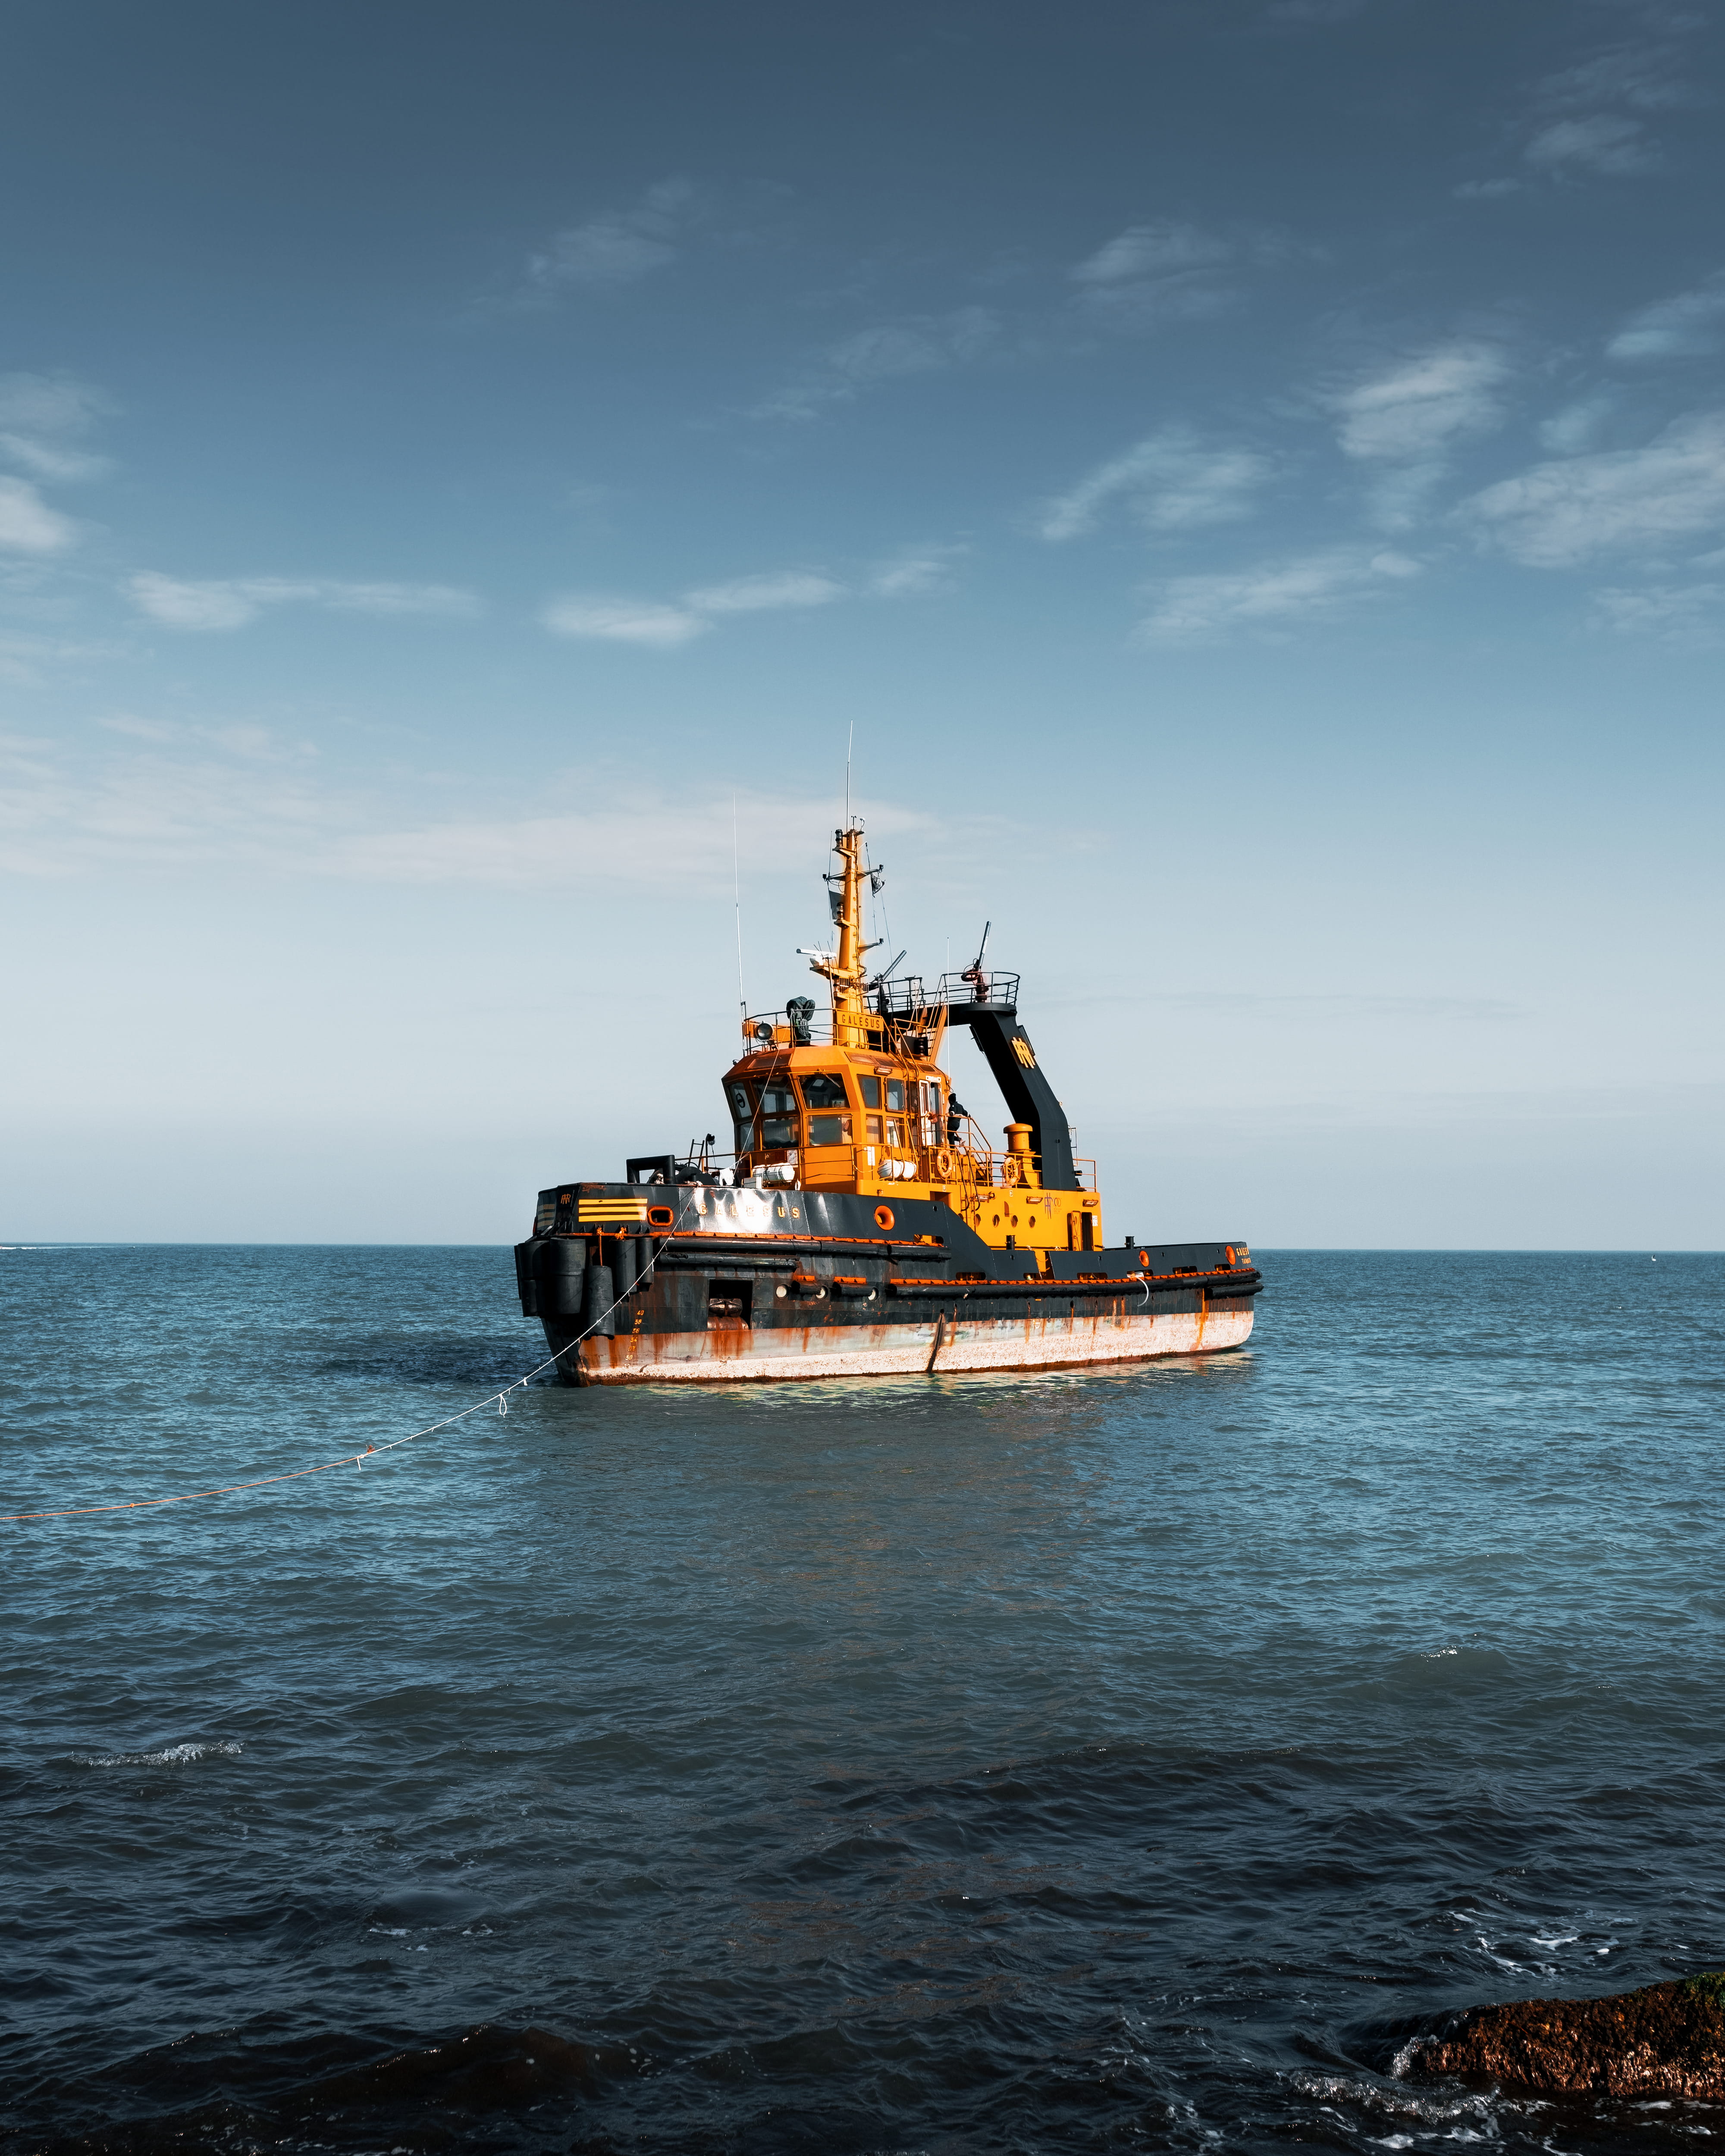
x=559, y=1264
x=524, y=1286
x=597, y=1314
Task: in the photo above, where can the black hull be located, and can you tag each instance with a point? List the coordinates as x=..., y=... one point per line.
x=691, y=1283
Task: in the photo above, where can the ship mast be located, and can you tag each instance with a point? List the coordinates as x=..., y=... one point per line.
x=844, y=968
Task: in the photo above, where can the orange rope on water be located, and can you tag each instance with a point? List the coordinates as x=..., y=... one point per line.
x=500, y=1400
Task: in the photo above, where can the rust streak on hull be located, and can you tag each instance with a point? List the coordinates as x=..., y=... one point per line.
x=879, y=1351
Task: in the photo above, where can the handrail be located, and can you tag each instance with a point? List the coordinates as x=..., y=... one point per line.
x=904, y=1005
x=780, y=1033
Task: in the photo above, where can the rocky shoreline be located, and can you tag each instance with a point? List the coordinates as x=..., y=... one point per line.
x=1664, y=2040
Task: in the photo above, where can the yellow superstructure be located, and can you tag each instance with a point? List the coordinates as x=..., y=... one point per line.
x=869, y=1109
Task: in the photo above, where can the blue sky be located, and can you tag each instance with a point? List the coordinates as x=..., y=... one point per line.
x=1252, y=475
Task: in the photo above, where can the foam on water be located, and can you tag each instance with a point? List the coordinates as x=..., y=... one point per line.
x=171, y=1755
x=1150, y=1758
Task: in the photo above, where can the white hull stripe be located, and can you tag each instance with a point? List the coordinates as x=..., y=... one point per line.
x=786, y=1353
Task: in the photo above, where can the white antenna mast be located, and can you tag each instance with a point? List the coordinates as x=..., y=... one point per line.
x=737, y=894
x=850, y=743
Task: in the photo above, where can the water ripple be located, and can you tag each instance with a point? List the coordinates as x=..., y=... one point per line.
x=1148, y=1759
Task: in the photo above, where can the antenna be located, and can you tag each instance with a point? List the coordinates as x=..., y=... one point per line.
x=737, y=895
x=850, y=743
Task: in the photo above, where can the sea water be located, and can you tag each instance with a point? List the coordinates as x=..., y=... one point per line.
x=1128, y=1760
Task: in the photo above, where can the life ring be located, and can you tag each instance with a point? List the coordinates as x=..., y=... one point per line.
x=943, y=1164
x=1010, y=1171
x=883, y=1216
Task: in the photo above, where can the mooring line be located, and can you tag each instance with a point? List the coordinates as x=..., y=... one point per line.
x=372, y=1451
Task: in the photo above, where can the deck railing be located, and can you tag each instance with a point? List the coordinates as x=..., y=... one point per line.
x=902, y=1005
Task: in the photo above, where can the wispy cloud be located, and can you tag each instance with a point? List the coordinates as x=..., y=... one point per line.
x=243, y=739
x=1591, y=118
x=1170, y=481
x=613, y=620
x=1409, y=418
x=664, y=624
x=177, y=797
x=790, y=588
x=232, y=601
x=1166, y=269
x=42, y=420
x=149, y=804
x=693, y=835
x=614, y=246
x=913, y=345
x=27, y=526
x=1419, y=407
x=1159, y=269
x=1579, y=425
x=1646, y=78
x=1273, y=596
x=31, y=660
x=1568, y=511
x=1607, y=143
x=915, y=571
x=1690, y=326
x=1675, y=613
x=51, y=460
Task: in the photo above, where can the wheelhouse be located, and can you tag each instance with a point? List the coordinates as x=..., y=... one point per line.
x=857, y=1099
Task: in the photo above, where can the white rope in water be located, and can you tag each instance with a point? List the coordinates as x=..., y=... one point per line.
x=372, y=1451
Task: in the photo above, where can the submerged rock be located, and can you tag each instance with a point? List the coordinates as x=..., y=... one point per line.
x=1668, y=2040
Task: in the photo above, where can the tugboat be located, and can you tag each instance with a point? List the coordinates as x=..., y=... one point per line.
x=863, y=1225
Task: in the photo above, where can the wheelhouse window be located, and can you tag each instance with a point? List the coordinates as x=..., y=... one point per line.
x=779, y=1115
x=829, y=1130
x=896, y=1095
x=823, y=1089
x=870, y=1091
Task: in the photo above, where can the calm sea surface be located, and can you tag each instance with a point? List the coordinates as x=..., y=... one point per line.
x=1070, y=1762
